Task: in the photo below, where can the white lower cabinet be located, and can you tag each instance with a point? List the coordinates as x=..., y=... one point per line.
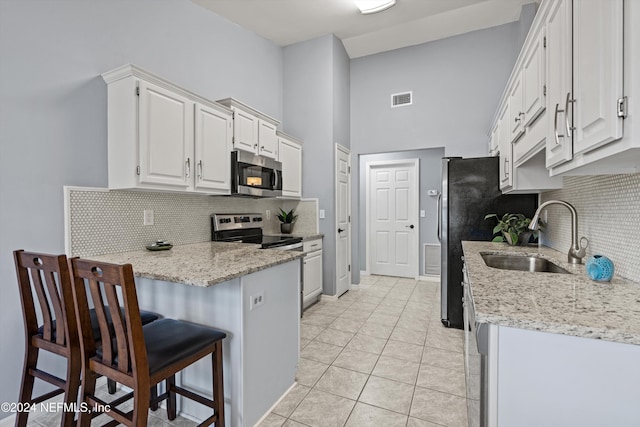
x=538, y=378
x=312, y=272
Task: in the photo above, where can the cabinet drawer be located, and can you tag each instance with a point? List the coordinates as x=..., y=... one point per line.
x=312, y=245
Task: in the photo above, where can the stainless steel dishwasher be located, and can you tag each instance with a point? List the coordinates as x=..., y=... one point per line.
x=475, y=359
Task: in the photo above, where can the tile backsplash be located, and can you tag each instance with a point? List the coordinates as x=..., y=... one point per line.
x=608, y=215
x=100, y=221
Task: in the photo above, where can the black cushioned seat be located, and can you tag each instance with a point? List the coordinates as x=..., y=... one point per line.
x=168, y=341
x=146, y=317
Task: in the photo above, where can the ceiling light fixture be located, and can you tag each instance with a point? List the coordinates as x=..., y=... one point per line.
x=373, y=6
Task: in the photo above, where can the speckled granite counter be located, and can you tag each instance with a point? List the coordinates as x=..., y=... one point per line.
x=200, y=264
x=570, y=304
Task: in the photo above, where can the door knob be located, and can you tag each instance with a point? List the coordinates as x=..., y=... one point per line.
x=340, y=230
x=410, y=226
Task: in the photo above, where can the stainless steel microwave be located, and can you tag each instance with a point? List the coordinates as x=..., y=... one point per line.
x=255, y=176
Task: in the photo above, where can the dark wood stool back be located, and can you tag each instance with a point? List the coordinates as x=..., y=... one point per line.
x=132, y=355
x=47, y=276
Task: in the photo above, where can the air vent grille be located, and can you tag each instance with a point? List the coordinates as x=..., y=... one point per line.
x=401, y=99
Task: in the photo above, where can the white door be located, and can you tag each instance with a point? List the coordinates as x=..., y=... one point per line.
x=393, y=218
x=213, y=149
x=166, y=137
x=343, y=219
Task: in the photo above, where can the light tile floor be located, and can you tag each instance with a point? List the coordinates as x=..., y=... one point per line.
x=156, y=418
x=378, y=356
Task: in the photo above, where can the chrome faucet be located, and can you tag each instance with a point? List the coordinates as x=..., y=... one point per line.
x=576, y=251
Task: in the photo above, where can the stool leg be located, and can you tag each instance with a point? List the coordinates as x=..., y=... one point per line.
x=154, y=395
x=74, y=367
x=111, y=386
x=171, y=400
x=218, y=385
x=26, y=388
x=88, y=389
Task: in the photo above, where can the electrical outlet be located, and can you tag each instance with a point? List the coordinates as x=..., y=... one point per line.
x=256, y=300
x=148, y=217
x=422, y=213
x=268, y=214
x=321, y=213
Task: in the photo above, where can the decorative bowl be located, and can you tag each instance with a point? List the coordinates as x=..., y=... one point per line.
x=600, y=268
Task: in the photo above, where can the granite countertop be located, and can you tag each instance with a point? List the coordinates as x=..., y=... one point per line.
x=570, y=304
x=200, y=264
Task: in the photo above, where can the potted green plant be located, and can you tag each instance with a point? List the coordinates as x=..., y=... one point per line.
x=287, y=219
x=512, y=228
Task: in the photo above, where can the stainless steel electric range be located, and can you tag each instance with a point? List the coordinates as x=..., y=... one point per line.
x=247, y=228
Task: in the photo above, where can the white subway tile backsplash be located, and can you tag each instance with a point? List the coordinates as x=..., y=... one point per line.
x=608, y=215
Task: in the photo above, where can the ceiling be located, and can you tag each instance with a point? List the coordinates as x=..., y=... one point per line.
x=408, y=23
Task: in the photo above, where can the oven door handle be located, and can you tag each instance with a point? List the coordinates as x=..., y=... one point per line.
x=292, y=247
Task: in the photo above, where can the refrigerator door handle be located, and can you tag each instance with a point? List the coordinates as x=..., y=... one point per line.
x=439, y=217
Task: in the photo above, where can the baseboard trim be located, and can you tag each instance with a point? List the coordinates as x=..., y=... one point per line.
x=429, y=279
x=324, y=297
x=354, y=287
x=276, y=404
x=364, y=273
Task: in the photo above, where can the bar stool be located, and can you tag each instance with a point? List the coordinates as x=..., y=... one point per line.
x=48, y=277
x=136, y=356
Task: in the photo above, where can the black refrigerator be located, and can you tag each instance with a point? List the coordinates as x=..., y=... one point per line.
x=470, y=190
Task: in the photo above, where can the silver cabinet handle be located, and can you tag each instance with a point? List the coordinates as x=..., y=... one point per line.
x=188, y=174
x=200, y=167
x=262, y=148
x=555, y=125
x=439, y=216
x=566, y=114
x=255, y=146
x=506, y=171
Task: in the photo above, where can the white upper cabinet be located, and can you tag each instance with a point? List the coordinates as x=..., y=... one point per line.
x=162, y=137
x=213, y=135
x=252, y=131
x=166, y=136
x=598, y=73
x=534, y=80
x=516, y=113
x=290, y=155
x=559, y=143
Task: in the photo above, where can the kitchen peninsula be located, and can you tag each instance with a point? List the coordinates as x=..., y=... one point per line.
x=250, y=293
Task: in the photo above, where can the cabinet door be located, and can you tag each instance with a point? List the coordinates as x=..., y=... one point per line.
x=516, y=114
x=290, y=155
x=245, y=131
x=165, y=137
x=267, y=139
x=533, y=80
x=559, y=147
x=504, y=141
x=312, y=274
x=597, y=72
x=213, y=149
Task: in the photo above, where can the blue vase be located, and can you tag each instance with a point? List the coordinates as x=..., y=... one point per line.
x=600, y=268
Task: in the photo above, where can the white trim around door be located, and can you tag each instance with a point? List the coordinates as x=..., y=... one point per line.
x=342, y=194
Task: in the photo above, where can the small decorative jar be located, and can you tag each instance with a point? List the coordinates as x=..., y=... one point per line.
x=599, y=268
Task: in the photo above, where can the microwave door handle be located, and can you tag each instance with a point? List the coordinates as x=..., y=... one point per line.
x=275, y=174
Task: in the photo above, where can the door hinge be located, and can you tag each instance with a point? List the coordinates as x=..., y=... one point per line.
x=349, y=268
x=137, y=90
x=348, y=169
x=622, y=107
x=544, y=41
x=349, y=218
x=138, y=170
x=544, y=90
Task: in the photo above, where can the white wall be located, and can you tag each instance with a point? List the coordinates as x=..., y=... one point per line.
x=53, y=128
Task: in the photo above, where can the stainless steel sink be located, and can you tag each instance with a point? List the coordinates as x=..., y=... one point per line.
x=534, y=264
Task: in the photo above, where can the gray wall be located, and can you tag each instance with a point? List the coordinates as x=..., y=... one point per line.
x=430, y=178
x=456, y=82
x=53, y=128
x=316, y=105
